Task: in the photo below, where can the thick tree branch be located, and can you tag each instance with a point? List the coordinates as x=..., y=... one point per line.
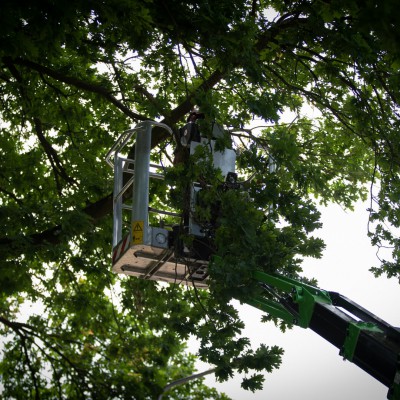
x=152, y=99
x=78, y=83
x=52, y=155
x=159, y=134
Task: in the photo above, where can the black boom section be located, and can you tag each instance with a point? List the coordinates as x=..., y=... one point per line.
x=376, y=351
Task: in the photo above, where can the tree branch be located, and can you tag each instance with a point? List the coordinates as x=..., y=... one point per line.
x=30, y=367
x=139, y=88
x=55, y=234
x=78, y=83
x=52, y=155
x=11, y=195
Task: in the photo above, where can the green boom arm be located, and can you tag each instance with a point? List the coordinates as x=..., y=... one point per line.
x=362, y=337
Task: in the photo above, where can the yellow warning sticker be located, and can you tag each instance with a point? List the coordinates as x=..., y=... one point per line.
x=137, y=232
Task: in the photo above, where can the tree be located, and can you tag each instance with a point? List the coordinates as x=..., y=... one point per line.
x=74, y=75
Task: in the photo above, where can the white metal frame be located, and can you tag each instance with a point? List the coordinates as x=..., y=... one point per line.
x=140, y=176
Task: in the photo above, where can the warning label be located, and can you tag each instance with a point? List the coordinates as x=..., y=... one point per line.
x=137, y=232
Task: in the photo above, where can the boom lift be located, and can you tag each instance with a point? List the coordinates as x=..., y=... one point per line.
x=151, y=252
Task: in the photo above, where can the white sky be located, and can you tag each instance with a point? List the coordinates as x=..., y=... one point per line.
x=312, y=368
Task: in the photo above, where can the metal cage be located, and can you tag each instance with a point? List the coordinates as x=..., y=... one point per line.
x=145, y=251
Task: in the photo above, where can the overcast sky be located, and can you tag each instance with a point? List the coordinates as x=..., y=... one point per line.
x=312, y=368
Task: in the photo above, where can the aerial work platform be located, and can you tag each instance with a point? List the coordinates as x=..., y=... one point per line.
x=145, y=251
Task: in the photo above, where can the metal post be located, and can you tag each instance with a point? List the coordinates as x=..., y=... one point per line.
x=117, y=206
x=185, y=380
x=140, y=209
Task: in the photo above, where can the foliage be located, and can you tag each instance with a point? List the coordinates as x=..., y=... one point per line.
x=74, y=75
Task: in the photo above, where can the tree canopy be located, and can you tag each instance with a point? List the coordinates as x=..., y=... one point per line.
x=74, y=75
